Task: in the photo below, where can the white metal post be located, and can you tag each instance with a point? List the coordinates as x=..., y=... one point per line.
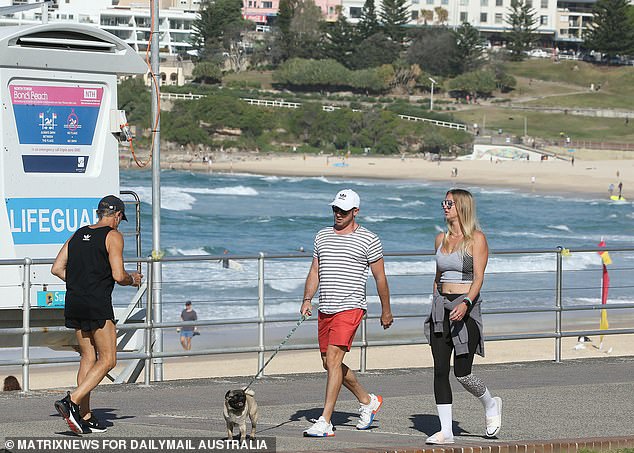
x=157, y=279
x=26, y=322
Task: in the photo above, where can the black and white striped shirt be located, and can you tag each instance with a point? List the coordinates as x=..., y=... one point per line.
x=344, y=260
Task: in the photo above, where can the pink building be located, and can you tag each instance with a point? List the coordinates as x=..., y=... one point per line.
x=262, y=11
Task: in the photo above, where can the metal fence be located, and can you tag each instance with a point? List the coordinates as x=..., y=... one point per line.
x=152, y=330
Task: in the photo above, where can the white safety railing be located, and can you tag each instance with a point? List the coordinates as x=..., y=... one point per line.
x=145, y=353
x=458, y=126
x=181, y=96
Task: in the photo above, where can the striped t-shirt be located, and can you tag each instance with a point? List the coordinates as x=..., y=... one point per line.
x=344, y=260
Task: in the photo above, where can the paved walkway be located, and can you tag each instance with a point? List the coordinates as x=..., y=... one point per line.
x=543, y=403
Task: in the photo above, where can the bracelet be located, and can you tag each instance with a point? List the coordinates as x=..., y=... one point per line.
x=307, y=299
x=468, y=301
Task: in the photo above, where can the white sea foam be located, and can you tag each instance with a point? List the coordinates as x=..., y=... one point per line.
x=235, y=190
x=384, y=218
x=394, y=198
x=172, y=198
x=414, y=203
x=393, y=267
x=191, y=252
x=591, y=238
x=559, y=227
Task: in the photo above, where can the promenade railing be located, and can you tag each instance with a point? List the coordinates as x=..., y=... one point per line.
x=551, y=292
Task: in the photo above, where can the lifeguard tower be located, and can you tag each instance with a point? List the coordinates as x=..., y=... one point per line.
x=59, y=153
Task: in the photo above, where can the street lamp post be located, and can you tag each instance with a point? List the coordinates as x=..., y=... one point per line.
x=431, y=101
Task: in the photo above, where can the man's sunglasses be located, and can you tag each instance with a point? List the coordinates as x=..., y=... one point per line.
x=341, y=212
x=448, y=204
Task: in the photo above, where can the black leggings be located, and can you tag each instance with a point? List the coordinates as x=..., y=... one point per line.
x=442, y=348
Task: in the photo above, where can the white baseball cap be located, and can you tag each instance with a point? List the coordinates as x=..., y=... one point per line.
x=346, y=199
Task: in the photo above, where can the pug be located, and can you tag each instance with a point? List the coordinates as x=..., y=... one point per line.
x=238, y=405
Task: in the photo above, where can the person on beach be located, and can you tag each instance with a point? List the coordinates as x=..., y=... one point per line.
x=455, y=322
x=187, y=332
x=90, y=263
x=342, y=255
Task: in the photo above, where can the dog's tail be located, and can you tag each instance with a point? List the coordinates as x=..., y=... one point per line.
x=250, y=392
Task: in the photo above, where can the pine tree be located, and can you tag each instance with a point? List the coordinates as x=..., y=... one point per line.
x=368, y=22
x=218, y=26
x=395, y=15
x=285, y=14
x=469, y=47
x=340, y=40
x=522, y=19
x=612, y=31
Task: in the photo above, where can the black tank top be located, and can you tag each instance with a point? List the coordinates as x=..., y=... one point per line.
x=89, y=281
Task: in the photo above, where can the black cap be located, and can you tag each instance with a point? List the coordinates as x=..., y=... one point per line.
x=113, y=204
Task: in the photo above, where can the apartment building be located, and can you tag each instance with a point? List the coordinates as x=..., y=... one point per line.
x=127, y=19
x=488, y=16
x=558, y=20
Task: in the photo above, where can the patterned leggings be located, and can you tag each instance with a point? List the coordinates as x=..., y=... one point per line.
x=442, y=349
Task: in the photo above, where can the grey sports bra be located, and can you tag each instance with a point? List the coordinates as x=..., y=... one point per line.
x=455, y=267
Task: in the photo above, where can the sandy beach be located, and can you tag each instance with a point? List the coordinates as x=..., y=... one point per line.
x=591, y=174
x=379, y=357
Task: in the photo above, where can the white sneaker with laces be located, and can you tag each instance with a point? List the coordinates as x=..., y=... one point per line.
x=321, y=428
x=368, y=411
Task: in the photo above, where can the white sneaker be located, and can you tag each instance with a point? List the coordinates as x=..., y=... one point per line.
x=321, y=428
x=368, y=411
x=439, y=439
x=494, y=424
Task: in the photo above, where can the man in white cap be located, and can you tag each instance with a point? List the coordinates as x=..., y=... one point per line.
x=342, y=255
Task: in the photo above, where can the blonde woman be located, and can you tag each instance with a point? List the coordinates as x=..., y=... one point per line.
x=455, y=322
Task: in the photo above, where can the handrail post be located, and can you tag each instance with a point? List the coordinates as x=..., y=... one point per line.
x=261, y=312
x=26, y=322
x=558, y=304
x=148, y=334
x=364, y=344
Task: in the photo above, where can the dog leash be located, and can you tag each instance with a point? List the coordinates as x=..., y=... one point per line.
x=299, y=323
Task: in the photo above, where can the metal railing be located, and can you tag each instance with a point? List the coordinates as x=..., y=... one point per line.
x=150, y=328
x=457, y=126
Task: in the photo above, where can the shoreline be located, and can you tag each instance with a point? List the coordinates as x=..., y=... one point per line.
x=589, y=178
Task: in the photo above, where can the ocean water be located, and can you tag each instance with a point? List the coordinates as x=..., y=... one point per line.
x=206, y=214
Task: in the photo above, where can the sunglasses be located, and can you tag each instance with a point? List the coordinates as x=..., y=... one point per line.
x=341, y=212
x=448, y=204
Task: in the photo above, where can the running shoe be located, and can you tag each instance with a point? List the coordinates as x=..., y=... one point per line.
x=321, y=428
x=70, y=412
x=93, y=425
x=368, y=411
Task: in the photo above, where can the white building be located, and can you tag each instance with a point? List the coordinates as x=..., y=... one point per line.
x=488, y=16
x=126, y=19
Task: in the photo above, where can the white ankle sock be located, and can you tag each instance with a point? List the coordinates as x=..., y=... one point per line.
x=446, y=421
x=490, y=406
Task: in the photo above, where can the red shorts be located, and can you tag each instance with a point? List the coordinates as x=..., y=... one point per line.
x=338, y=329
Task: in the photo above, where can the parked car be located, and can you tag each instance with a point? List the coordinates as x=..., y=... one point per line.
x=539, y=53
